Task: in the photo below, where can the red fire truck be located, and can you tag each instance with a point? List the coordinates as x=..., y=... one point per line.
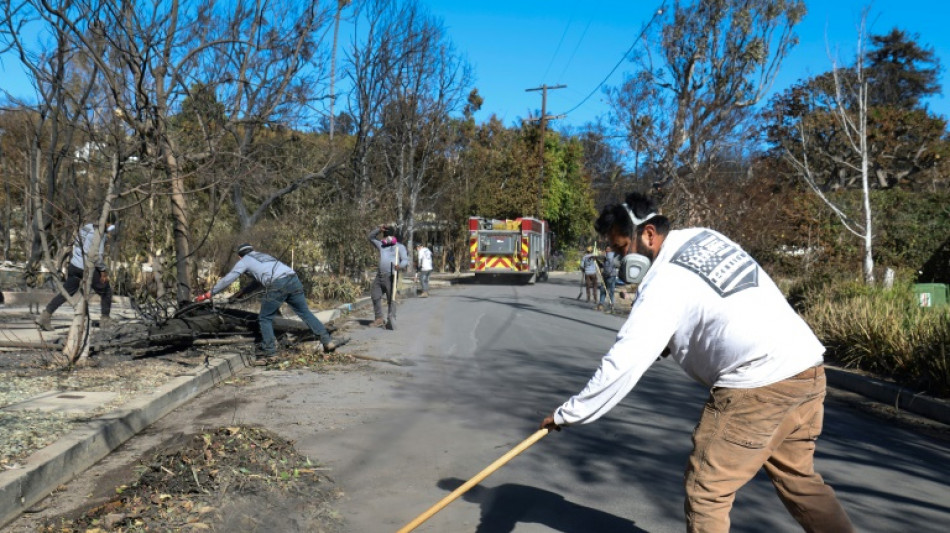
x=516, y=249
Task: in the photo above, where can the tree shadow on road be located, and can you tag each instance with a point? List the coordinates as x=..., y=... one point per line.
x=504, y=506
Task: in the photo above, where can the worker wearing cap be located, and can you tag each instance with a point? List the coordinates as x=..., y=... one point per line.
x=589, y=268
x=281, y=284
x=389, y=249
x=85, y=252
x=706, y=303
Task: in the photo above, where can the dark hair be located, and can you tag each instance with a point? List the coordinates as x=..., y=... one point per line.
x=616, y=216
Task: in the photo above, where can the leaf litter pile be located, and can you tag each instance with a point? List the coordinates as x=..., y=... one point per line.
x=229, y=479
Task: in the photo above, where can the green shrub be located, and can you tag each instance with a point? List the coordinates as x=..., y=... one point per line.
x=572, y=260
x=883, y=331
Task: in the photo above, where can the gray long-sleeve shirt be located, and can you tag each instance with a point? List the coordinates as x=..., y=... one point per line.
x=387, y=254
x=265, y=269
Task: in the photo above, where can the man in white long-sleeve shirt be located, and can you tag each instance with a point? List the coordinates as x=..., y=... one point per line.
x=424, y=256
x=85, y=252
x=281, y=284
x=708, y=304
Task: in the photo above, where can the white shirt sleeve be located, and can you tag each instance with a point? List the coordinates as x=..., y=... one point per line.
x=641, y=340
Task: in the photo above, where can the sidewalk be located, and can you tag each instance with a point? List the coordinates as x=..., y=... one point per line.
x=58, y=463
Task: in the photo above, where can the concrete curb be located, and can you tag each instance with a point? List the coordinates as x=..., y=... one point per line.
x=58, y=463
x=889, y=393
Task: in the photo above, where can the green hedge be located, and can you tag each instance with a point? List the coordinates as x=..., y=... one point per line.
x=883, y=331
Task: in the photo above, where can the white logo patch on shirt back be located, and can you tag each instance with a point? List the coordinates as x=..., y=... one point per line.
x=723, y=265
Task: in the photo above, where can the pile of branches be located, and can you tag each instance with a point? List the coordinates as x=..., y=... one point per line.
x=229, y=479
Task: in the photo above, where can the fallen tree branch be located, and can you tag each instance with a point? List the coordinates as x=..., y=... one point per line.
x=30, y=345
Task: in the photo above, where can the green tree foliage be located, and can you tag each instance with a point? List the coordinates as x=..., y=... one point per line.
x=201, y=116
x=907, y=144
x=901, y=71
x=568, y=203
x=501, y=172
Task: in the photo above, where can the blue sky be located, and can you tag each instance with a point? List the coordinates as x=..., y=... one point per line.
x=514, y=45
x=519, y=44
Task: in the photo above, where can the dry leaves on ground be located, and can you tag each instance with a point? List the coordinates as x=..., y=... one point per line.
x=227, y=479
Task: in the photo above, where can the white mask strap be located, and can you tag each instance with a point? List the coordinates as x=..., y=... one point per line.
x=637, y=221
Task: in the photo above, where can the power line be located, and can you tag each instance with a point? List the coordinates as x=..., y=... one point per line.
x=558, y=49
x=622, y=58
x=579, y=41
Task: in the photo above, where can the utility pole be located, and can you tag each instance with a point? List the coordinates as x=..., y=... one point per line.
x=544, y=119
x=340, y=4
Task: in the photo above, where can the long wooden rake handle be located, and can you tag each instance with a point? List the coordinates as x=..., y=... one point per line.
x=395, y=281
x=489, y=470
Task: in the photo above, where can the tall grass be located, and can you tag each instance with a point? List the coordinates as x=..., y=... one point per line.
x=883, y=331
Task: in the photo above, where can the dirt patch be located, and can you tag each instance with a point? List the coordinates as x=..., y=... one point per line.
x=228, y=479
x=223, y=407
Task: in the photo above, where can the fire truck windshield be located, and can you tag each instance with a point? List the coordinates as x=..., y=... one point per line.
x=501, y=243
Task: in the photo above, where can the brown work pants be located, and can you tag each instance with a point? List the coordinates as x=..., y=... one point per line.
x=775, y=427
x=590, y=283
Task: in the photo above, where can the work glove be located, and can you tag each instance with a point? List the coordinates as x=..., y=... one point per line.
x=203, y=297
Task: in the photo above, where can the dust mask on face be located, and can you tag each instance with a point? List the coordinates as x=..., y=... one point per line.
x=634, y=266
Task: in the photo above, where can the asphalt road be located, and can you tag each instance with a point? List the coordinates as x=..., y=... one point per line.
x=490, y=362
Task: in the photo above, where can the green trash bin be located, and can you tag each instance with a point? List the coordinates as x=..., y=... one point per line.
x=932, y=294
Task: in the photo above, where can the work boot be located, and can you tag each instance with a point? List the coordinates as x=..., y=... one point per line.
x=334, y=344
x=44, y=321
x=263, y=359
x=599, y=307
x=378, y=323
x=106, y=322
x=424, y=294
